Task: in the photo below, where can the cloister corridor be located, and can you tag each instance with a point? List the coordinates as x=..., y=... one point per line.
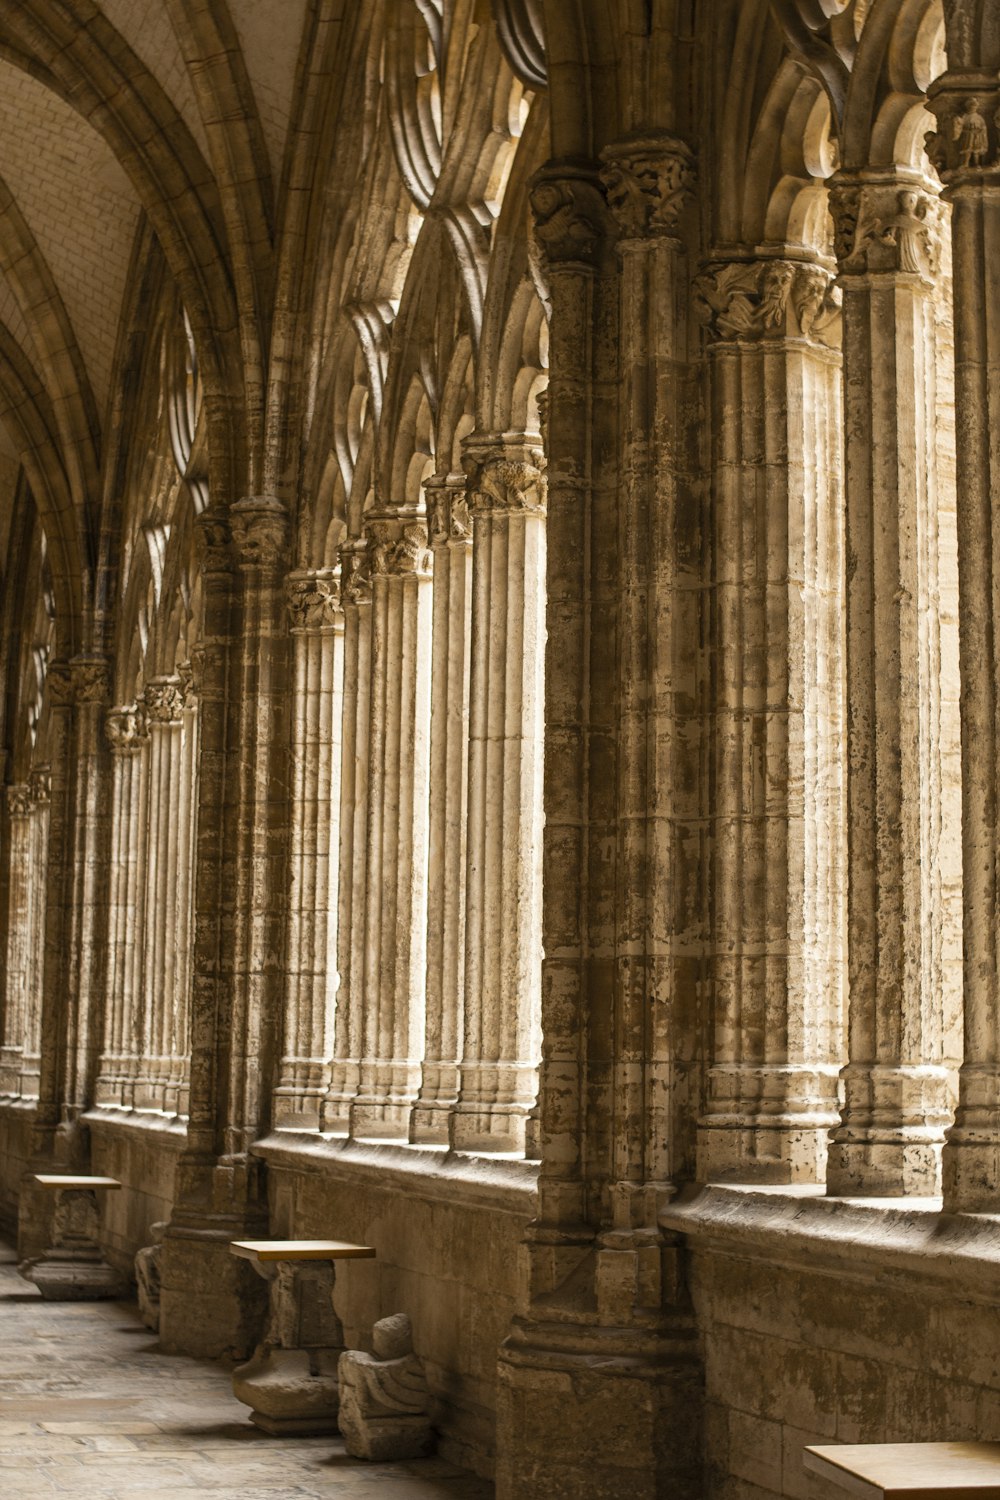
x=89, y=1407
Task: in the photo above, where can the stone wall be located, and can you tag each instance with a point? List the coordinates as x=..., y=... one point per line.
x=824, y=1321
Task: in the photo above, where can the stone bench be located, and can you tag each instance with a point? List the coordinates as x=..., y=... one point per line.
x=290, y=1381
x=72, y=1268
x=910, y=1471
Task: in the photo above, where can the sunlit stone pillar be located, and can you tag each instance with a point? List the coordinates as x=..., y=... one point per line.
x=498, y=1079
x=40, y=786
x=317, y=625
x=19, y=877
x=450, y=530
x=163, y=701
x=966, y=101
x=126, y=731
x=895, y=1108
x=395, y=940
x=83, y=1001
x=356, y=603
x=177, y=1087
x=777, y=874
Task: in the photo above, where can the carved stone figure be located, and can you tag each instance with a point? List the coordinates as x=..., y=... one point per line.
x=383, y=1396
x=147, y=1278
x=972, y=134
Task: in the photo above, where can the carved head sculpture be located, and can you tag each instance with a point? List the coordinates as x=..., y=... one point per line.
x=392, y=1338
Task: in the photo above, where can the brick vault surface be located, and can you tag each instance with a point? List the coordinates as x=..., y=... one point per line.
x=89, y=1407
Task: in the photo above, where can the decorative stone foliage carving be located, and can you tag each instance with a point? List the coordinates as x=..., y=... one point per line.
x=398, y=547
x=648, y=183
x=125, y=728
x=569, y=216
x=260, y=531
x=753, y=299
x=313, y=600
x=499, y=484
x=884, y=227
x=90, y=680
x=19, y=800
x=164, y=701
x=215, y=535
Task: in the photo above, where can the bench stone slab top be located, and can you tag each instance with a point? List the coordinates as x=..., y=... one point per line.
x=56, y=1180
x=908, y=1471
x=266, y=1250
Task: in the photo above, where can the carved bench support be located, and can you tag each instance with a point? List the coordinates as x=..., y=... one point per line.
x=72, y=1268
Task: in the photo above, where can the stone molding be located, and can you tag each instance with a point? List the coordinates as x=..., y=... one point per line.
x=501, y=484
x=313, y=601
x=885, y=228
x=775, y=298
x=125, y=728
x=569, y=215
x=19, y=801
x=163, y=699
x=447, y=502
x=397, y=548
x=355, y=573
x=648, y=182
x=261, y=529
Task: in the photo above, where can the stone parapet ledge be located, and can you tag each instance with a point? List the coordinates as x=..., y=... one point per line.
x=465, y=1177
x=908, y=1236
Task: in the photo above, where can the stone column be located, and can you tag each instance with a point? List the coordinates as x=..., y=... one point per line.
x=260, y=530
x=607, y=1326
x=450, y=530
x=177, y=1086
x=503, y=944
x=356, y=603
x=126, y=731
x=396, y=835
x=18, y=853
x=163, y=703
x=966, y=101
x=208, y=1304
x=776, y=870
x=896, y=1107
x=83, y=1000
x=317, y=625
x=40, y=787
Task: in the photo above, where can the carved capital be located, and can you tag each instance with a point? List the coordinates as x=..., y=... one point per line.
x=397, y=548
x=502, y=483
x=966, y=142
x=19, y=800
x=59, y=684
x=215, y=540
x=447, y=504
x=885, y=227
x=40, y=785
x=125, y=728
x=648, y=183
x=355, y=575
x=760, y=299
x=90, y=678
x=163, y=699
x=260, y=530
x=313, y=600
x=570, y=216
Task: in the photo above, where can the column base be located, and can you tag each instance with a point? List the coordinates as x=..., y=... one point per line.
x=889, y=1142
x=489, y=1127
x=970, y=1167
x=74, y=1276
x=767, y=1124
x=291, y=1392
x=597, y=1413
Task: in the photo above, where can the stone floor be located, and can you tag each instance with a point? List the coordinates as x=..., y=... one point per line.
x=89, y=1407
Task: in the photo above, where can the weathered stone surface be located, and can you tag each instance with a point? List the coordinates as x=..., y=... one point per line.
x=383, y=1396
